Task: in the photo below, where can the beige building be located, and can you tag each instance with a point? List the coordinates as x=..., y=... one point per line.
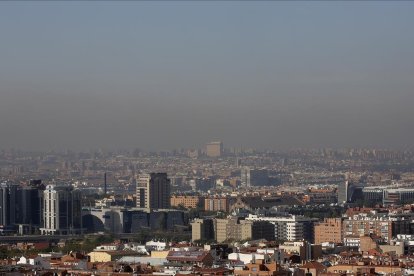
x=214, y=149
x=303, y=249
x=363, y=269
x=159, y=254
x=261, y=268
x=109, y=256
x=313, y=268
x=202, y=230
x=362, y=225
x=330, y=230
x=232, y=229
x=186, y=201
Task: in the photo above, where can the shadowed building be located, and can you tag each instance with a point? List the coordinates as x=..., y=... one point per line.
x=153, y=191
x=7, y=204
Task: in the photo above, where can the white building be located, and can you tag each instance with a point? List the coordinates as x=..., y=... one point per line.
x=247, y=258
x=38, y=262
x=156, y=245
x=61, y=211
x=289, y=228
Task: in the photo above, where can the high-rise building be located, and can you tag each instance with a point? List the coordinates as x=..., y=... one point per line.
x=29, y=206
x=214, y=149
x=349, y=192
x=343, y=189
x=254, y=177
x=153, y=191
x=61, y=210
x=7, y=204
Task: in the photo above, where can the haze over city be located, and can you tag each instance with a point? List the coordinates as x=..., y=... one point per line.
x=162, y=75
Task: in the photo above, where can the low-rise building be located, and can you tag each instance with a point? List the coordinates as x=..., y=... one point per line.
x=189, y=202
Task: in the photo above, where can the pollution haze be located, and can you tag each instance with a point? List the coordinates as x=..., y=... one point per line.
x=162, y=75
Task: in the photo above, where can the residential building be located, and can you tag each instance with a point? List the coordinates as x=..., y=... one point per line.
x=364, y=225
x=189, y=202
x=202, y=229
x=232, y=229
x=289, y=228
x=330, y=230
x=217, y=204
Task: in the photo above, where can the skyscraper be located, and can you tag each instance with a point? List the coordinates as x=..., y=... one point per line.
x=61, y=210
x=153, y=191
x=7, y=204
x=29, y=206
x=343, y=189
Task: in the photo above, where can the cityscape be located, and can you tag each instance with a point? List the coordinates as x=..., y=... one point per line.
x=173, y=138
x=212, y=210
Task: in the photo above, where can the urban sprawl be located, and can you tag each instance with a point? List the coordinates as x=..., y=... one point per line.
x=210, y=211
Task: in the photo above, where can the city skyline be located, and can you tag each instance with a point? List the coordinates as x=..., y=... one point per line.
x=160, y=76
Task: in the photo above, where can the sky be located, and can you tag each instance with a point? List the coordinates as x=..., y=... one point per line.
x=161, y=75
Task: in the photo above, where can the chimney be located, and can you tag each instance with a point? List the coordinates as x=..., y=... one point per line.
x=105, y=187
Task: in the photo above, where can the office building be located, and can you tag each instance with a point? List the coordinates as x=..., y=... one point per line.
x=214, y=149
x=7, y=205
x=119, y=220
x=388, y=195
x=343, y=190
x=254, y=177
x=373, y=194
x=263, y=230
x=61, y=211
x=398, y=196
x=29, y=206
x=153, y=191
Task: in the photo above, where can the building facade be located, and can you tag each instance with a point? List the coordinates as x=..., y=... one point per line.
x=202, y=229
x=254, y=177
x=289, y=228
x=330, y=230
x=214, y=149
x=8, y=193
x=62, y=213
x=189, y=202
x=153, y=191
x=217, y=204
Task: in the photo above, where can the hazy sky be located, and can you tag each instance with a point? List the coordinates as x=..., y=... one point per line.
x=162, y=75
